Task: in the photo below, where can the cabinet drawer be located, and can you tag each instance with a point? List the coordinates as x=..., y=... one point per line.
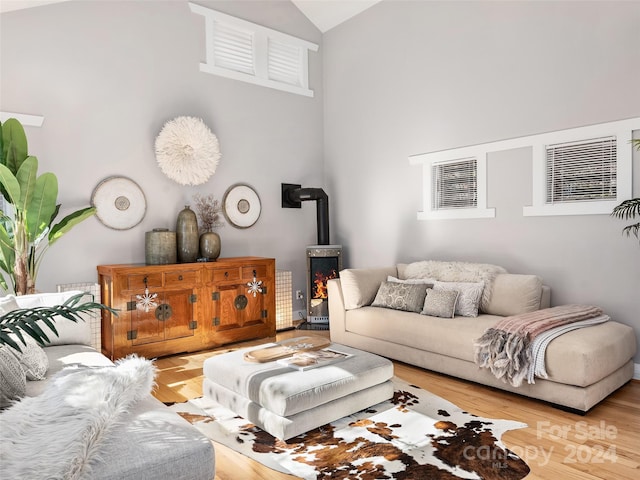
x=182, y=277
x=136, y=282
x=224, y=274
x=261, y=272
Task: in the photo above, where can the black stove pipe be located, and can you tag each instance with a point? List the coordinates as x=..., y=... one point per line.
x=292, y=195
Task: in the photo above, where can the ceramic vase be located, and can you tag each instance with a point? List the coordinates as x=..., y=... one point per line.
x=210, y=246
x=160, y=247
x=187, y=236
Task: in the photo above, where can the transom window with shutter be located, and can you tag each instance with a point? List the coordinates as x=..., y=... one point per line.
x=581, y=171
x=245, y=51
x=455, y=184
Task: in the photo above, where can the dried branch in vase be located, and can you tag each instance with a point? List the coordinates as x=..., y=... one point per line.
x=209, y=212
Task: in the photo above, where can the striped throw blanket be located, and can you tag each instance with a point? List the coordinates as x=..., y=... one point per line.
x=506, y=348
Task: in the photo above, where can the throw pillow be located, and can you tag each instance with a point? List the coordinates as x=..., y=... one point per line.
x=440, y=303
x=400, y=296
x=69, y=332
x=469, y=298
x=13, y=382
x=32, y=358
x=8, y=304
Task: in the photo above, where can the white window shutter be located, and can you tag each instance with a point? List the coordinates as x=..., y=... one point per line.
x=233, y=48
x=284, y=62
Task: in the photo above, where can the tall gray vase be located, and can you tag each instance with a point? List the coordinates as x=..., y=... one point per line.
x=187, y=236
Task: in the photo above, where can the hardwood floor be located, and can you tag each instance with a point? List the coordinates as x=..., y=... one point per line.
x=604, y=444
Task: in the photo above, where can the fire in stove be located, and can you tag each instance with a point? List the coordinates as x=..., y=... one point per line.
x=324, y=262
x=320, y=284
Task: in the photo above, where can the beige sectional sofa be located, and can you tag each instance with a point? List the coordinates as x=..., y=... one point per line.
x=149, y=441
x=583, y=366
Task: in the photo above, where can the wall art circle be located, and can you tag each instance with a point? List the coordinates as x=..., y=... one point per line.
x=120, y=203
x=241, y=206
x=187, y=151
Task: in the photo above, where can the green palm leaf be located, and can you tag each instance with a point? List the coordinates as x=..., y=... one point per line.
x=14, y=144
x=627, y=209
x=68, y=222
x=42, y=205
x=10, y=184
x=30, y=320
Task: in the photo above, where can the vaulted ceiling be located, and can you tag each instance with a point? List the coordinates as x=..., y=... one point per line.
x=324, y=14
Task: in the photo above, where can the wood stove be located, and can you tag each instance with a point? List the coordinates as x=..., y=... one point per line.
x=324, y=262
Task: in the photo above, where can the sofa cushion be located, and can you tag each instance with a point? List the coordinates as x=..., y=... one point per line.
x=514, y=294
x=69, y=332
x=401, y=296
x=440, y=303
x=469, y=298
x=359, y=286
x=13, y=381
x=451, y=337
x=61, y=356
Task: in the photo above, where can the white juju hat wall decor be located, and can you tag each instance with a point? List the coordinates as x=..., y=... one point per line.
x=187, y=151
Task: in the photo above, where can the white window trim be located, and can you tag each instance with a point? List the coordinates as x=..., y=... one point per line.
x=261, y=36
x=622, y=130
x=428, y=160
x=23, y=118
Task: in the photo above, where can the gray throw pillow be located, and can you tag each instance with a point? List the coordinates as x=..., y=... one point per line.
x=400, y=296
x=32, y=358
x=470, y=295
x=13, y=382
x=440, y=303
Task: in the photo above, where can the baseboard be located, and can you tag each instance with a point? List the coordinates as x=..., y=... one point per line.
x=636, y=371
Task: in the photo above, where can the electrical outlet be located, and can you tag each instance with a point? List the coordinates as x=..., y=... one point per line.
x=299, y=295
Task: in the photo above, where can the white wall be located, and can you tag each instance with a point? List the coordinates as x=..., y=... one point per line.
x=107, y=75
x=404, y=78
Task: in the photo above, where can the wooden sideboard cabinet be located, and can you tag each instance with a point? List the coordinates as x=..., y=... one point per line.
x=196, y=305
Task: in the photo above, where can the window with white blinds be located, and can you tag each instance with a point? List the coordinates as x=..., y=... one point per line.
x=248, y=52
x=582, y=171
x=455, y=184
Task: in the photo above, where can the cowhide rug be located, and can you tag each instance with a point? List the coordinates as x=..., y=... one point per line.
x=414, y=435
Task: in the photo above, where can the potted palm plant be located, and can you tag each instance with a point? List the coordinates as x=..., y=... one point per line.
x=630, y=208
x=28, y=229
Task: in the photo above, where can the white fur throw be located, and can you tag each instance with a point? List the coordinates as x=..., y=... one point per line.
x=457, y=272
x=59, y=433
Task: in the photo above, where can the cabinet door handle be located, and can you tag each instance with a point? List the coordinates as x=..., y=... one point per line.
x=226, y=274
x=180, y=277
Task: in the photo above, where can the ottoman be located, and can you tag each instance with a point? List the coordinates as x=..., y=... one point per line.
x=286, y=402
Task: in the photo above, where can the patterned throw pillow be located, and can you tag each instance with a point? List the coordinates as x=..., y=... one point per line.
x=400, y=296
x=469, y=298
x=440, y=303
x=32, y=358
x=13, y=383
